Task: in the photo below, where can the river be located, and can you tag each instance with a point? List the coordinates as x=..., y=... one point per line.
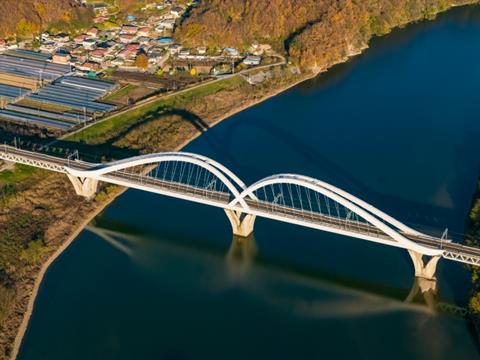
x=397, y=126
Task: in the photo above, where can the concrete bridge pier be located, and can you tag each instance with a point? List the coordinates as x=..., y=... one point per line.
x=242, y=224
x=85, y=187
x=424, y=269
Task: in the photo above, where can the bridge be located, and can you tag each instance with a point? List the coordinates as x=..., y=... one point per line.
x=289, y=198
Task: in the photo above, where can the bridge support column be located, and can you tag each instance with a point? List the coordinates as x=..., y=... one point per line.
x=85, y=187
x=242, y=224
x=424, y=270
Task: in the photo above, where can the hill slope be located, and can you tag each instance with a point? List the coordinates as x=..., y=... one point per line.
x=316, y=32
x=29, y=16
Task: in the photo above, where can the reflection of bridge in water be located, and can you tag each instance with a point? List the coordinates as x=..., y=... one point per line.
x=294, y=199
x=241, y=259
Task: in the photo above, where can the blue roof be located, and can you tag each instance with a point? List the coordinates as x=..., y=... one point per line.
x=165, y=40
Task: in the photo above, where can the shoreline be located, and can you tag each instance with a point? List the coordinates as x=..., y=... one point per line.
x=46, y=265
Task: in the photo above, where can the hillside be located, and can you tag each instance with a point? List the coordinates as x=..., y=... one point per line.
x=317, y=33
x=29, y=16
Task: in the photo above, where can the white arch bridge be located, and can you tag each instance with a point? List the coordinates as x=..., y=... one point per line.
x=289, y=198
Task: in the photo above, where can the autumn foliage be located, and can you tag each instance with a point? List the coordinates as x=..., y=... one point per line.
x=28, y=17
x=316, y=33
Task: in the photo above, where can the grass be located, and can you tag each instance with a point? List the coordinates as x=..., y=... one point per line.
x=20, y=173
x=120, y=92
x=176, y=101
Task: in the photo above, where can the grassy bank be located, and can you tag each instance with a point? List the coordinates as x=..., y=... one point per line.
x=104, y=130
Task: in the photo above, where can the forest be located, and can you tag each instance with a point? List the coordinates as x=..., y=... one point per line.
x=313, y=33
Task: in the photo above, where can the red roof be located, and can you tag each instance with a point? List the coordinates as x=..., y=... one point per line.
x=98, y=52
x=80, y=38
x=132, y=47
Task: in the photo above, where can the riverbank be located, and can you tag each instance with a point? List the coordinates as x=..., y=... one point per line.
x=32, y=281
x=181, y=124
x=119, y=191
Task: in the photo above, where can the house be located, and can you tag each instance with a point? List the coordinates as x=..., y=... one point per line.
x=174, y=49
x=98, y=55
x=61, y=57
x=259, y=49
x=93, y=32
x=143, y=31
x=132, y=47
x=143, y=40
x=129, y=29
x=202, y=50
x=155, y=56
x=252, y=60
x=176, y=11
x=61, y=38
x=3, y=45
x=89, y=66
x=125, y=54
x=165, y=24
x=48, y=46
x=126, y=38
x=80, y=39
x=230, y=52
x=89, y=44
x=183, y=54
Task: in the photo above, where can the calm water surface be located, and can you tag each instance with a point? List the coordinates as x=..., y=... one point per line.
x=160, y=278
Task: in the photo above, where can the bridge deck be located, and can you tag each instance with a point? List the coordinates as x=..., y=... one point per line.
x=363, y=229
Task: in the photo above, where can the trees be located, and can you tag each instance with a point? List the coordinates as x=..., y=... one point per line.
x=313, y=33
x=141, y=61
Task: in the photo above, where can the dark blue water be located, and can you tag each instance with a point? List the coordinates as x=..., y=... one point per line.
x=397, y=126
